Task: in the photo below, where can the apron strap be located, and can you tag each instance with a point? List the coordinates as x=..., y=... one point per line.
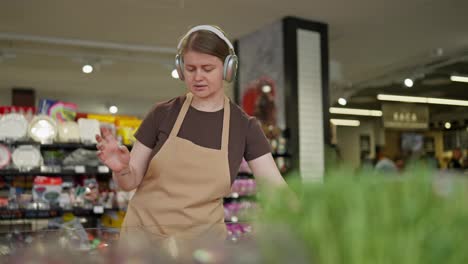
x=181, y=116
x=226, y=119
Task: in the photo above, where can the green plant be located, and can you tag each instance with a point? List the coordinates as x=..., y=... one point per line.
x=362, y=218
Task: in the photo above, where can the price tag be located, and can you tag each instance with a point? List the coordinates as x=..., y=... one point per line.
x=103, y=169
x=80, y=169
x=50, y=169
x=98, y=209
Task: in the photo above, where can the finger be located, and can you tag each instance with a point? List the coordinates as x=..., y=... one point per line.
x=102, y=129
x=98, y=138
x=100, y=146
x=106, y=133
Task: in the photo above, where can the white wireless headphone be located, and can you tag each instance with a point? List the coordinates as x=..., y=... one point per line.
x=230, y=63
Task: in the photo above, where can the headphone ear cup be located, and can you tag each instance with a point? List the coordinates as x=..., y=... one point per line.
x=179, y=64
x=230, y=68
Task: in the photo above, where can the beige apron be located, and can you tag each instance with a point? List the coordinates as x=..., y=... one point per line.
x=181, y=195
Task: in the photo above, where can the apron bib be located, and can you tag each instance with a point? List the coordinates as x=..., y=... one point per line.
x=180, y=198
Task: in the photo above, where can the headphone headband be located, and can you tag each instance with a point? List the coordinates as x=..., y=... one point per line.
x=208, y=28
x=230, y=62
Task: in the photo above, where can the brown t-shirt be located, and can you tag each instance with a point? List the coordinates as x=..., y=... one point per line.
x=246, y=138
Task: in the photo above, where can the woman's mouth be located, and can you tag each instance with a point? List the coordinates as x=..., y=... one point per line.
x=199, y=87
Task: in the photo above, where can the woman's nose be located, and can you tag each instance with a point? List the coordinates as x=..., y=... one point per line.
x=198, y=75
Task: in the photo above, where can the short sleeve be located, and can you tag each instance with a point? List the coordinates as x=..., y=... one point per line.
x=256, y=144
x=148, y=130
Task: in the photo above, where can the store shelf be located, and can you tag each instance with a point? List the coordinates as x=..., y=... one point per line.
x=13, y=214
x=58, y=171
x=240, y=198
x=55, y=146
x=278, y=155
x=244, y=175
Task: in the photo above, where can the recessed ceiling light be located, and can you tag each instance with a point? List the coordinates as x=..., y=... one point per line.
x=342, y=101
x=113, y=109
x=447, y=125
x=408, y=82
x=87, y=68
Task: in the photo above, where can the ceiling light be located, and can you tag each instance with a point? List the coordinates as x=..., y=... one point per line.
x=424, y=100
x=266, y=88
x=438, y=52
x=113, y=109
x=342, y=101
x=447, y=125
x=87, y=68
x=456, y=78
x=175, y=74
x=345, y=122
x=408, y=82
x=353, y=111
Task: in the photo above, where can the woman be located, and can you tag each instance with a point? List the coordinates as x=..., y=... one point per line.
x=188, y=149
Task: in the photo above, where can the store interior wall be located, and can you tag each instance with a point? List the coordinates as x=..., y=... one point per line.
x=5, y=97
x=348, y=140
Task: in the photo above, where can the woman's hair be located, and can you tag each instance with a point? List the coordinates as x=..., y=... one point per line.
x=207, y=42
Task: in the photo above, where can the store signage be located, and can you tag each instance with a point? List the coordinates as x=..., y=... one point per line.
x=405, y=116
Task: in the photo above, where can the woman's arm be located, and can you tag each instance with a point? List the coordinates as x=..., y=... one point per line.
x=264, y=168
x=130, y=177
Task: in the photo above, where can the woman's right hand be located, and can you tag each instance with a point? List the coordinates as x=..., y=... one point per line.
x=115, y=157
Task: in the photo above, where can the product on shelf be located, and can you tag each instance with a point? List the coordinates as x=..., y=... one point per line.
x=110, y=119
x=5, y=156
x=91, y=190
x=244, y=187
x=126, y=129
x=112, y=219
x=27, y=111
x=58, y=110
x=27, y=157
x=239, y=211
x=72, y=233
x=282, y=146
x=47, y=189
x=53, y=157
x=237, y=231
x=282, y=164
x=244, y=167
x=42, y=129
x=89, y=128
x=65, y=198
x=68, y=132
x=81, y=156
x=62, y=111
x=13, y=127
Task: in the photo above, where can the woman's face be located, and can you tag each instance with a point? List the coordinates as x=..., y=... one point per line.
x=203, y=74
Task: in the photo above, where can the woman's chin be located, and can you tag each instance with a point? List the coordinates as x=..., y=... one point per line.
x=202, y=93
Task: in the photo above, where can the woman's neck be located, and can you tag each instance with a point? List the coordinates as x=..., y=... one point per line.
x=209, y=104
